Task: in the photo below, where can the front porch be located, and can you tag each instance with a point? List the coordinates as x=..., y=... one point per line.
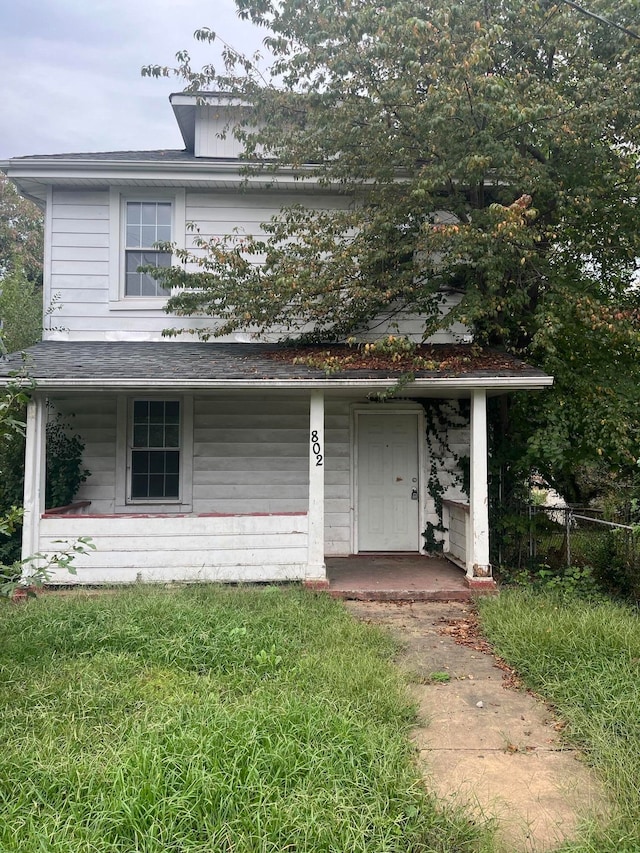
x=399, y=577
x=233, y=463
x=268, y=488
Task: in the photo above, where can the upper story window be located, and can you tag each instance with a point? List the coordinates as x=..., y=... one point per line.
x=147, y=223
x=138, y=222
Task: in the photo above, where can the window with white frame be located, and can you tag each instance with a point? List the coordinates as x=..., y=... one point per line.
x=155, y=450
x=146, y=223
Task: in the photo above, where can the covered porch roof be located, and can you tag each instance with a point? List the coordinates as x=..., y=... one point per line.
x=445, y=370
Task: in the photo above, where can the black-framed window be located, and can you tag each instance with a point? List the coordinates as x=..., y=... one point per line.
x=155, y=450
x=147, y=223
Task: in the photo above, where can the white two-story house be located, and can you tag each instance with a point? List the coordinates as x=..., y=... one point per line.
x=224, y=461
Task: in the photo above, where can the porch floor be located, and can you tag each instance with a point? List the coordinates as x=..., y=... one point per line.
x=396, y=577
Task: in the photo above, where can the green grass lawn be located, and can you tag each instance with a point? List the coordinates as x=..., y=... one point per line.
x=584, y=658
x=207, y=719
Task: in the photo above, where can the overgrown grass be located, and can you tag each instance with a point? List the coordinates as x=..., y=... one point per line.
x=585, y=658
x=208, y=719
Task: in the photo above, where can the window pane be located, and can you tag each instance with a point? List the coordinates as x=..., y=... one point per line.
x=148, y=286
x=140, y=435
x=133, y=236
x=133, y=212
x=148, y=236
x=156, y=486
x=139, y=488
x=172, y=411
x=156, y=411
x=156, y=462
x=163, y=234
x=132, y=285
x=172, y=461
x=139, y=462
x=164, y=213
x=172, y=486
x=148, y=259
x=172, y=435
x=156, y=435
x=140, y=410
x=134, y=260
x=149, y=213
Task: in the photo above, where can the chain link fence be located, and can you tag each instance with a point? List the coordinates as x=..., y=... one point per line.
x=565, y=536
x=531, y=537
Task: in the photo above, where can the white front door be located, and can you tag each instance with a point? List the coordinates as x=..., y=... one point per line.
x=388, y=487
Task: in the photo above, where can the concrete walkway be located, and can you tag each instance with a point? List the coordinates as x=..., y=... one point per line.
x=485, y=744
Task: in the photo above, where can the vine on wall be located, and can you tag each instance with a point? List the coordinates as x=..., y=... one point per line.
x=441, y=417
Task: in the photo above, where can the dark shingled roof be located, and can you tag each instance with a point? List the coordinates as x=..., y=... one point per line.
x=184, y=361
x=162, y=155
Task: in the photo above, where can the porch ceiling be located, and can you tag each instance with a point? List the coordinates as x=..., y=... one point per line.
x=194, y=365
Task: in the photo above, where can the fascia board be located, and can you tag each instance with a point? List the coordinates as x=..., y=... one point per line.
x=428, y=387
x=58, y=167
x=209, y=99
x=182, y=174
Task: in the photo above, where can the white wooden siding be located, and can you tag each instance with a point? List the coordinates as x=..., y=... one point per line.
x=182, y=548
x=80, y=255
x=410, y=325
x=77, y=280
x=456, y=517
x=211, y=126
x=224, y=213
x=250, y=456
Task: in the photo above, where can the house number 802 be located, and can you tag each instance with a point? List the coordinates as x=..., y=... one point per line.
x=315, y=448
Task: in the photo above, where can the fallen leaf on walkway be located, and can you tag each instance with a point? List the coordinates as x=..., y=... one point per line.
x=467, y=632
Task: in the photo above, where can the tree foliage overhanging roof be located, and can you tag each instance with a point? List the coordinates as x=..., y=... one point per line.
x=518, y=120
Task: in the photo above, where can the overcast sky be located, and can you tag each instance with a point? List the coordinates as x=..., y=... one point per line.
x=70, y=70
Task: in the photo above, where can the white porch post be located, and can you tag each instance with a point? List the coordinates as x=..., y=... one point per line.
x=316, y=575
x=478, y=565
x=34, y=475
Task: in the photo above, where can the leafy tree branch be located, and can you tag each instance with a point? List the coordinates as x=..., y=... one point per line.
x=487, y=148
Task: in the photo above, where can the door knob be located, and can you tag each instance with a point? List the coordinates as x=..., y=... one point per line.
x=414, y=494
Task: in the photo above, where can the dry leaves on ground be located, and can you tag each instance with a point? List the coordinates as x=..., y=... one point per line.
x=467, y=632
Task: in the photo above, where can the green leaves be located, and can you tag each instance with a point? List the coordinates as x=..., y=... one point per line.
x=21, y=234
x=65, y=473
x=489, y=149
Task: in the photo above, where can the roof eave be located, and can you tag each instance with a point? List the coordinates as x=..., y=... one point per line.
x=433, y=386
x=33, y=175
x=74, y=167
